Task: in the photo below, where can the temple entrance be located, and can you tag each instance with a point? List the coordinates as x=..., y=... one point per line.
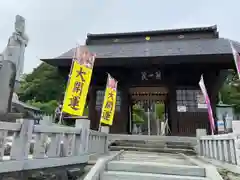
x=149, y=111
x=162, y=59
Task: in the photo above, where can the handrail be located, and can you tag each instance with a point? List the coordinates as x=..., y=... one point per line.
x=97, y=170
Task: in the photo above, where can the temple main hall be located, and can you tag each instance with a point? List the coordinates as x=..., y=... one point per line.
x=157, y=67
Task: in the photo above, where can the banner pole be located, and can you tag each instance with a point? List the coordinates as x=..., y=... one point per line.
x=69, y=76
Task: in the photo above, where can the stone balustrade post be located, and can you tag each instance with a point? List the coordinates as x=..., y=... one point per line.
x=105, y=129
x=237, y=148
x=83, y=123
x=21, y=142
x=199, y=133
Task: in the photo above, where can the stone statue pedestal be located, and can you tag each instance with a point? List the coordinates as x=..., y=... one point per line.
x=7, y=81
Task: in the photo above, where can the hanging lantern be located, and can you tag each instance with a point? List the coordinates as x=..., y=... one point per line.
x=147, y=38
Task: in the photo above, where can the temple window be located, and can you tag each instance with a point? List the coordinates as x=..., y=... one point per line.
x=191, y=99
x=100, y=98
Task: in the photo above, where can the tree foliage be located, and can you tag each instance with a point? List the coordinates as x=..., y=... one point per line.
x=47, y=107
x=43, y=88
x=230, y=91
x=160, y=109
x=139, y=116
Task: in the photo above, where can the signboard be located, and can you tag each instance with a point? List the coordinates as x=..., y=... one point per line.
x=78, y=84
x=220, y=125
x=181, y=108
x=155, y=75
x=109, y=103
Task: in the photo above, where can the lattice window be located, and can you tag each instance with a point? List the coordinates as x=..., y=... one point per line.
x=118, y=101
x=100, y=98
x=191, y=99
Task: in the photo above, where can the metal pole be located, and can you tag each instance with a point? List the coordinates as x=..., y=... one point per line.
x=156, y=119
x=149, y=133
x=130, y=118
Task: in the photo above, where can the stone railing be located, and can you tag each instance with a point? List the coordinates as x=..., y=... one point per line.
x=98, y=142
x=225, y=148
x=44, y=146
x=96, y=172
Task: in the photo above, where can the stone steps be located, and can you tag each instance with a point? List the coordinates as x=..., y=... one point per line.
x=152, y=144
x=156, y=168
x=152, y=166
x=152, y=149
x=120, y=175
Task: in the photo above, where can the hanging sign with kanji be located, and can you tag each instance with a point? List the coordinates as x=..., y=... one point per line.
x=79, y=81
x=109, y=103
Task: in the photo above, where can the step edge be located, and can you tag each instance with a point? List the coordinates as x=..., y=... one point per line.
x=155, y=164
x=106, y=173
x=211, y=170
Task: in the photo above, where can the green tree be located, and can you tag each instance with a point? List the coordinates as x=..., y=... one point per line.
x=42, y=85
x=160, y=109
x=43, y=88
x=138, y=114
x=230, y=91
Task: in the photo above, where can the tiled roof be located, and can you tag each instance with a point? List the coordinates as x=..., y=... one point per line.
x=157, y=32
x=160, y=48
x=24, y=105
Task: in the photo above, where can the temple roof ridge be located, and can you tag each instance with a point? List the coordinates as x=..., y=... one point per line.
x=212, y=28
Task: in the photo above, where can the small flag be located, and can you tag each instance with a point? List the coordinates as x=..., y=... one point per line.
x=207, y=100
x=236, y=58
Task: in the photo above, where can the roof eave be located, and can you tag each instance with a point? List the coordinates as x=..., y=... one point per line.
x=167, y=31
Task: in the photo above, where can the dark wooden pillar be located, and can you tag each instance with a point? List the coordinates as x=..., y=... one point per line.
x=92, y=113
x=125, y=109
x=121, y=118
x=172, y=105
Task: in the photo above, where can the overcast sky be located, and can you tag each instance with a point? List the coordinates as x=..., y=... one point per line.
x=55, y=26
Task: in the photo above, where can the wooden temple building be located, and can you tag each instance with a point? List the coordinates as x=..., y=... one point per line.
x=163, y=66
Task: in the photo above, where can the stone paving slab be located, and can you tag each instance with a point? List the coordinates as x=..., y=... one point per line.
x=156, y=157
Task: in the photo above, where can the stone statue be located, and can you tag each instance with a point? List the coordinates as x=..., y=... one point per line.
x=15, y=49
x=11, y=64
